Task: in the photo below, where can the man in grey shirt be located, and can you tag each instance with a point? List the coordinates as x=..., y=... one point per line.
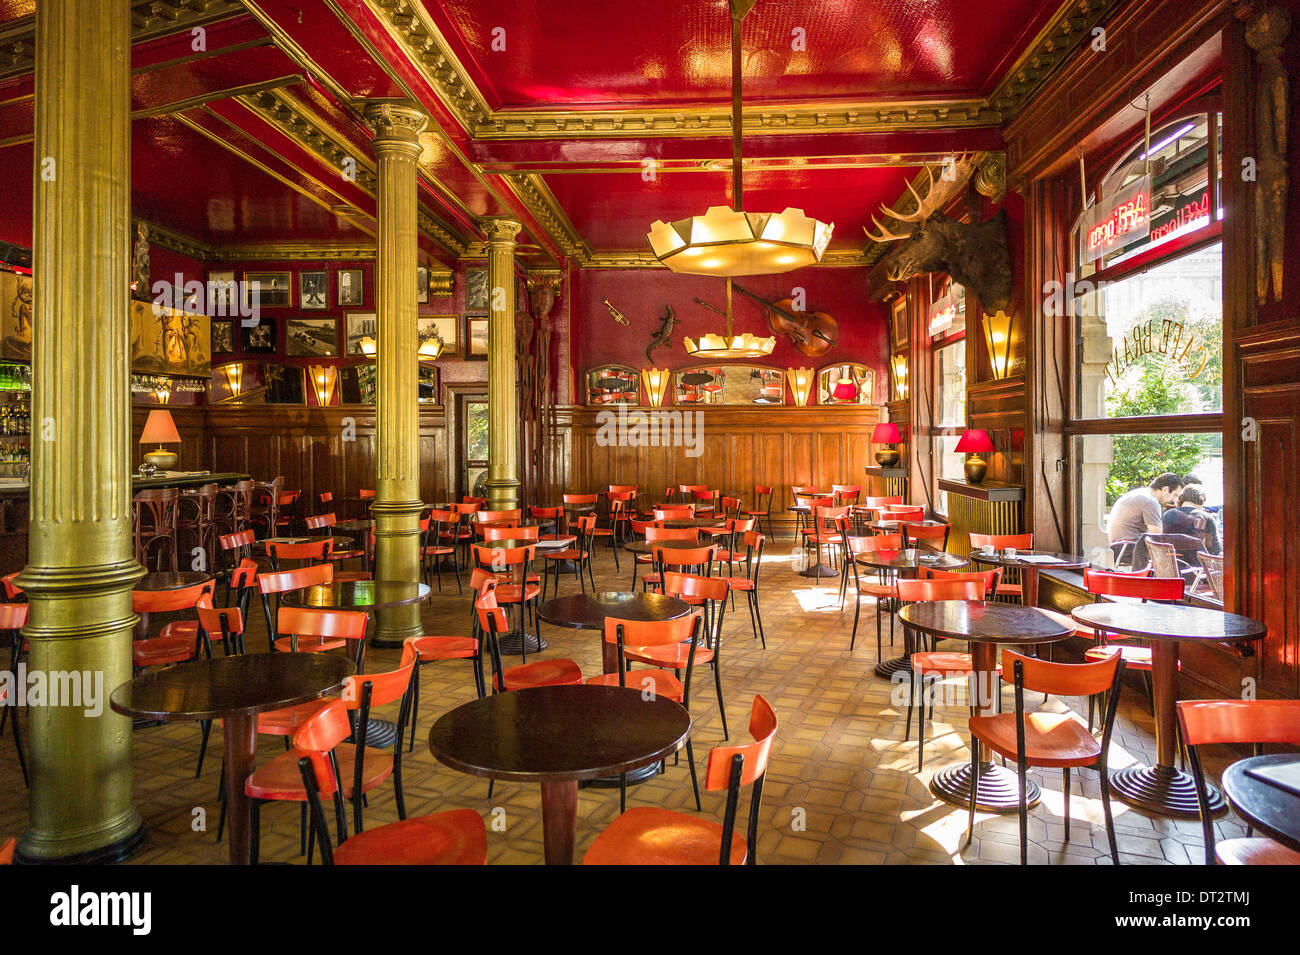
x=1140, y=511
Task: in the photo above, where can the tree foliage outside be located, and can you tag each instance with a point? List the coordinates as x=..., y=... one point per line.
x=1153, y=385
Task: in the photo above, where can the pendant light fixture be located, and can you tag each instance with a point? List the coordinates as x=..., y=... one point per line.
x=729, y=241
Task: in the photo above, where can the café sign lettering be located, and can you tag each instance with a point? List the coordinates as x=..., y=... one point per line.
x=1178, y=344
x=1114, y=222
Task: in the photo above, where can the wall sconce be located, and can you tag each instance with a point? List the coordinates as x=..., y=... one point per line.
x=323, y=378
x=368, y=346
x=655, y=381
x=431, y=348
x=997, y=335
x=886, y=433
x=234, y=378
x=898, y=370
x=801, y=381
x=163, y=394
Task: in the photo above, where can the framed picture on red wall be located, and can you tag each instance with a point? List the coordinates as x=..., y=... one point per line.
x=476, y=338
x=898, y=322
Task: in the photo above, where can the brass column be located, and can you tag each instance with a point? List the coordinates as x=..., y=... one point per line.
x=81, y=566
x=503, y=396
x=396, y=510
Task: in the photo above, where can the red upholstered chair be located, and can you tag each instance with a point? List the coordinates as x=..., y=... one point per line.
x=881, y=590
x=358, y=769
x=762, y=509
x=1042, y=739
x=13, y=617
x=1008, y=588
x=939, y=664
x=642, y=635
x=650, y=836
x=458, y=837
x=1226, y=722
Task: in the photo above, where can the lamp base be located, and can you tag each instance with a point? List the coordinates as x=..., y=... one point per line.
x=887, y=458
x=976, y=468
x=162, y=459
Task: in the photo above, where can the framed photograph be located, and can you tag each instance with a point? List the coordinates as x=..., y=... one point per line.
x=360, y=326
x=223, y=337
x=311, y=337
x=259, y=339
x=266, y=289
x=898, y=321
x=350, y=290
x=476, y=338
x=422, y=284
x=313, y=290
x=444, y=325
x=221, y=293
x=476, y=289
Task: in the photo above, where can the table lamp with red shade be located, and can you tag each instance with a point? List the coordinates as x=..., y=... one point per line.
x=160, y=429
x=973, y=443
x=886, y=433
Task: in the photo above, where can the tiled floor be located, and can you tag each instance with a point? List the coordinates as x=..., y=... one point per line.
x=842, y=785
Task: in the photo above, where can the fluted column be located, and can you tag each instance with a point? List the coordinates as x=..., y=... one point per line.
x=80, y=560
x=503, y=396
x=397, y=506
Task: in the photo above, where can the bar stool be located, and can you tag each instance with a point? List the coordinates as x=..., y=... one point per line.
x=234, y=507
x=155, y=523
x=203, y=524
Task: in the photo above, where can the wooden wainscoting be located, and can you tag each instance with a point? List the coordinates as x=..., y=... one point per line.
x=739, y=448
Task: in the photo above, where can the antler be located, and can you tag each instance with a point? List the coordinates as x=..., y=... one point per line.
x=936, y=197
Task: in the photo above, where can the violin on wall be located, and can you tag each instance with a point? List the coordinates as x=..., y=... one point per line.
x=812, y=333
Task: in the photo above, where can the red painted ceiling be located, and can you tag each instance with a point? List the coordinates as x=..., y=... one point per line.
x=677, y=52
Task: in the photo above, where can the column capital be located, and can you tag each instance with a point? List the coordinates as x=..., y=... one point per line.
x=545, y=278
x=395, y=122
x=501, y=230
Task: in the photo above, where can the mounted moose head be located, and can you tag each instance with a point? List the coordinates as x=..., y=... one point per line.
x=974, y=254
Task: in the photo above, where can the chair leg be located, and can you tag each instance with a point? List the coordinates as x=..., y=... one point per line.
x=1105, y=806
x=722, y=709
x=1022, y=773
x=255, y=828
x=920, y=723
x=415, y=705
x=18, y=744
x=974, y=789
x=622, y=793
x=690, y=762
x=206, y=726
x=1065, y=789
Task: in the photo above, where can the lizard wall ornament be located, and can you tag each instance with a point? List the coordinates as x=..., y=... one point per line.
x=665, y=334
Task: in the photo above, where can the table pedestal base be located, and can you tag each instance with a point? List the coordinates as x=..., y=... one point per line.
x=819, y=570
x=380, y=734
x=634, y=777
x=1163, y=790
x=887, y=668
x=999, y=788
x=513, y=643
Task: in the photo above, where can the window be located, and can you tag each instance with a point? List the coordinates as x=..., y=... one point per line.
x=949, y=415
x=1147, y=319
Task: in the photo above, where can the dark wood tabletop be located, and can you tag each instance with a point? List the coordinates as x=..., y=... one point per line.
x=588, y=611
x=542, y=522
x=898, y=560
x=356, y=595
x=980, y=621
x=1063, y=561
x=169, y=581
x=646, y=547
x=354, y=525
x=894, y=525
x=557, y=543
x=1158, y=621
x=1266, y=806
x=248, y=683
x=559, y=733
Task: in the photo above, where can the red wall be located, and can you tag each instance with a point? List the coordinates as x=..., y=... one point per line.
x=641, y=294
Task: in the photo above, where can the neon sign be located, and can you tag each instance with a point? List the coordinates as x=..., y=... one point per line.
x=1116, y=221
x=1185, y=215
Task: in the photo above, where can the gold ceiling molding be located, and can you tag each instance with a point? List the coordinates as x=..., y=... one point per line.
x=546, y=211
x=178, y=242
x=296, y=251
x=150, y=19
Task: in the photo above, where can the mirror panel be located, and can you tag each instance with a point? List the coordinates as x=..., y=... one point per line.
x=729, y=385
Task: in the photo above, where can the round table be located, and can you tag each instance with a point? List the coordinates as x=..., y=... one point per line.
x=1162, y=788
x=984, y=625
x=234, y=690
x=163, y=581
x=898, y=562
x=556, y=736
x=514, y=642
x=646, y=547
x=367, y=595
x=588, y=612
x=1268, y=807
x=1029, y=569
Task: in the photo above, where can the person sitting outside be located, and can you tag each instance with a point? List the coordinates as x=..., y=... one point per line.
x=1191, y=518
x=1140, y=511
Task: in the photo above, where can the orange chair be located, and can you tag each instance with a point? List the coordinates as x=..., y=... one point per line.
x=11, y=589
x=846, y=494
x=882, y=501
x=272, y=585
x=709, y=596
x=512, y=564
x=358, y=770
x=1227, y=722
x=622, y=508
x=748, y=585
x=1049, y=739
x=650, y=836
x=827, y=530
x=991, y=579
x=463, y=536
x=1008, y=588
x=762, y=513
x=318, y=630
x=507, y=532
x=438, y=527
x=580, y=504
x=579, y=555
x=316, y=552
x=547, y=514
x=675, y=512
x=731, y=530
x=176, y=645
x=458, y=837
x=492, y=621
x=883, y=591
x=902, y=512
x=940, y=664
x=684, y=631
x=1138, y=585
x=510, y=516
x=324, y=522
x=657, y=533
x=13, y=617
x=7, y=851
x=432, y=649
x=934, y=535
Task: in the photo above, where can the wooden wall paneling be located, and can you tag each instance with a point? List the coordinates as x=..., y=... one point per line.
x=769, y=463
